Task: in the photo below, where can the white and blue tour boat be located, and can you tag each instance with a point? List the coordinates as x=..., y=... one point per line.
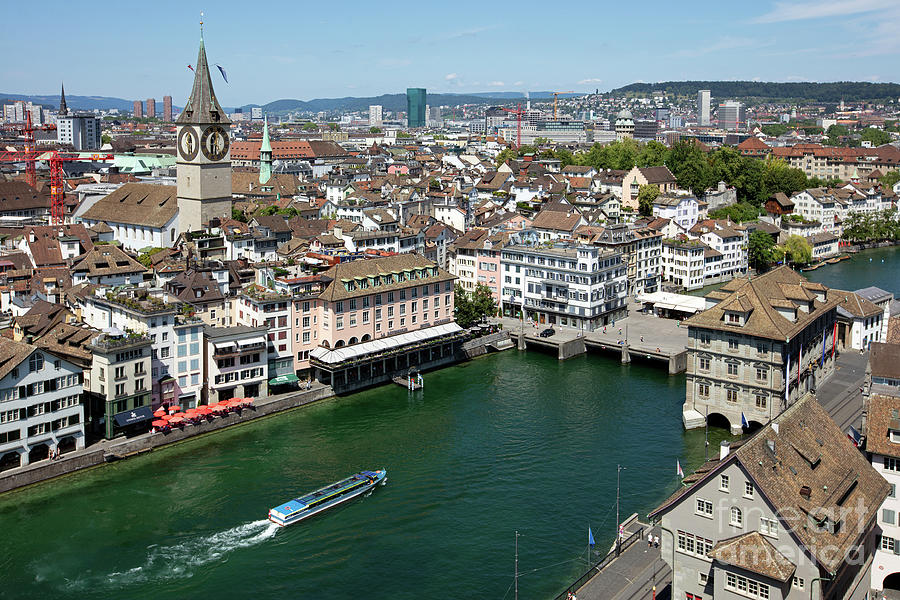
x=329, y=496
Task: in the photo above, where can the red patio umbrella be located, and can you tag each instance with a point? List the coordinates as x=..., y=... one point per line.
x=204, y=410
x=219, y=408
x=234, y=402
x=247, y=400
x=159, y=423
x=174, y=409
x=176, y=420
x=160, y=412
x=166, y=417
x=179, y=414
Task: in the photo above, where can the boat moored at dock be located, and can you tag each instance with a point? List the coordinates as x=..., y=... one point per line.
x=327, y=497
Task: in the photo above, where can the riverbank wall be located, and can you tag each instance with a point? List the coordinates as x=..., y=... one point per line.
x=116, y=449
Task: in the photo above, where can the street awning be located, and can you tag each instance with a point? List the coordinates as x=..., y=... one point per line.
x=283, y=379
x=135, y=415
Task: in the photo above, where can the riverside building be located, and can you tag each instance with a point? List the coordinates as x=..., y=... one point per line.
x=380, y=317
x=582, y=287
x=760, y=344
x=40, y=405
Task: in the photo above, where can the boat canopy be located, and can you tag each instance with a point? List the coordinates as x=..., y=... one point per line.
x=339, y=355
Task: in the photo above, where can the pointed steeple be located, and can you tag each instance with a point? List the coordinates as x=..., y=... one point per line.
x=265, y=155
x=202, y=107
x=63, y=109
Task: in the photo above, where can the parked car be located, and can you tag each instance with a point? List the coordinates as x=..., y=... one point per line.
x=547, y=332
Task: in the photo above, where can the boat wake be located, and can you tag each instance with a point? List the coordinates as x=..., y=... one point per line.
x=180, y=560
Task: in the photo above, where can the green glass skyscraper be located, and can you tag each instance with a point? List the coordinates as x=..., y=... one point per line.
x=415, y=107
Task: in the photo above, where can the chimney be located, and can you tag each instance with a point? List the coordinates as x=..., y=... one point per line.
x=724, y=449
x=31, y=237
x=775, y=428
x=338, y=231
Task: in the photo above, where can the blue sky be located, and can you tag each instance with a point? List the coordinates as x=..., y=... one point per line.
x=311, y=50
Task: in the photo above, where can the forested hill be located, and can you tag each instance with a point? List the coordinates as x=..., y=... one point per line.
x=849, y=91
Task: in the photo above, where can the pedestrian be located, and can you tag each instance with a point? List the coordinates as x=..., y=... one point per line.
x=649, y=541
x=656, y=542
x=642, y=338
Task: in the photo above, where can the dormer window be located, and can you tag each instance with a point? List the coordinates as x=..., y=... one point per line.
x=894, y=436
x=733, y=318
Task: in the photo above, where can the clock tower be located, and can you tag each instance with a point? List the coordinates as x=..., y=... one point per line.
x=203, y=159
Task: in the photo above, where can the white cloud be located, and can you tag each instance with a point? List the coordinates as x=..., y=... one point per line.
x=590, y=80
x=450, y=76
x=497, y=83
x=518, y=83
x=817, y=9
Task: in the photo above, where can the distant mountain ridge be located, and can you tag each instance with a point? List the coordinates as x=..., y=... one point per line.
x=391, y=102
x=832, y=92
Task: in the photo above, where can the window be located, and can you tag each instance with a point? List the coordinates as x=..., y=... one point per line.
x=36, y=362
x=704, y=339
x=762, y=348
x=704, y=364
x=731, y=395
x=748, y=489
x=734, y=318
x=164, y=352
x=888, y=516
x=733, y=369
x=893, y=492
x=138, y=385
x=888, y=544
x=762, y=374
x=768, y=527
x=703, y=578
x=723, y=483
x=339, y=322
x=688, y=543
x=732, y=344
x=195, y=348
x=746, y=587
x=761, y=401
x=704, y=507
x=891, y=464
x=305, y=337
x=737, y=517
x=703, y=390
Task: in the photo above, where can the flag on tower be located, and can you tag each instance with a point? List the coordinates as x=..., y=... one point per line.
x=744, y=422
x=678, y=470
x=590, y=536
x=222, y=71
x=191, y=68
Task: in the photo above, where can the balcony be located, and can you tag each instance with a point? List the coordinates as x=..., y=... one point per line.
x=236, y=349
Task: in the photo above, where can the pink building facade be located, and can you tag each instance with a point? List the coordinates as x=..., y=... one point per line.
x=382, y=315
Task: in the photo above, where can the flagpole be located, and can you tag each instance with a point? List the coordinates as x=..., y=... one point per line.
x=517, y=565
x=618, y=541
x=706, y=433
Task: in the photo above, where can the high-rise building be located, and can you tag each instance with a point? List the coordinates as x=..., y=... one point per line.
x=203, y=154
x=15, y=112
x=138, y=109
x=256, y=113
x=731, y=115
x=703, y=99
x=167, y=109
x=375, y=114
x=434, y=117
x=81, y=131
x=151, y=108
x=415, y=104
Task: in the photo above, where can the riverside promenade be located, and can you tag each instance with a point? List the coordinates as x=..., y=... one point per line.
x=122, y=447
x=631, y=575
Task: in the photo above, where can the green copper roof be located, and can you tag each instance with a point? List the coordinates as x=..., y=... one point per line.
x=266, y=145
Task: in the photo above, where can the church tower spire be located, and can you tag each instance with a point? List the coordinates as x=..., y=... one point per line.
x=265, y=155
x=63, y=109
x=203, y=162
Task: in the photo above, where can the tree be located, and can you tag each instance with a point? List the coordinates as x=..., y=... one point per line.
x=310, y=127
x=798, y=249
x=469, y=309
x=774, y=130
x=889, y=179
x=334, y=127
x=374, y=129
x=690, y=167
x=876, y=136
x=238, y=215
x=144, y=257
x=647, y=195
x=739, y=213
x=505, y=155
x=105, y=139
x=761, y=251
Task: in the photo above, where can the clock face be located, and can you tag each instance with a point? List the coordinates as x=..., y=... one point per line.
x=187, y=143
x=214, y=142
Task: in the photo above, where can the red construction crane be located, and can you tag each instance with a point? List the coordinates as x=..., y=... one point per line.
x=518, y=112
x=28, y=129
x=555, y=99
x=57, y=189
